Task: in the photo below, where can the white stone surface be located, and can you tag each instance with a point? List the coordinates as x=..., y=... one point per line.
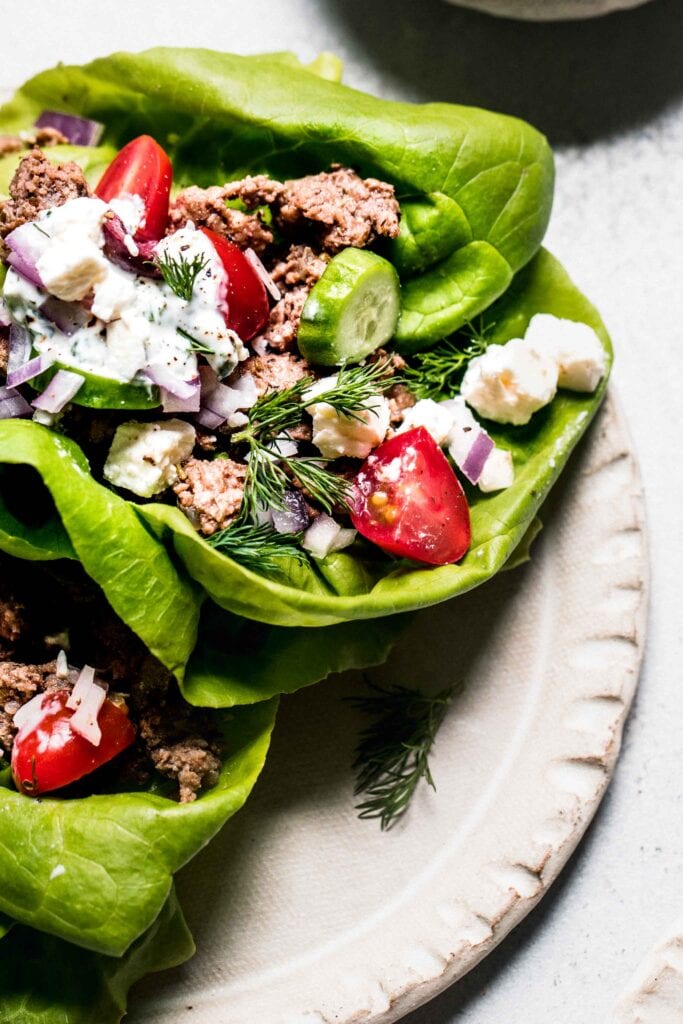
x=609, y=94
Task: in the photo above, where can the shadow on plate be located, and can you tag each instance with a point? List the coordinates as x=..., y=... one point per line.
x=576, y=81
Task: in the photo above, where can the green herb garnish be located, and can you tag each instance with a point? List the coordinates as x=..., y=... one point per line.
x=392, y=755
x=180, y=274
x=195, y=346
x=437, y=372
x=258, y=547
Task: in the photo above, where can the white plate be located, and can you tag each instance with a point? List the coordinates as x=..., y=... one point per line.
x=549, y=10
x=305, y=915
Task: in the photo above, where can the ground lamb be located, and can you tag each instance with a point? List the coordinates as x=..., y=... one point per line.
x=295, y=274
x=345, y=209
x=37, y=185
x=210, y=492
x=273, y=371
x=205, y=207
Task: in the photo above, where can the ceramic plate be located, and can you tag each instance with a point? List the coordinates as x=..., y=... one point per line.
x=305, y=915
x=549, y=10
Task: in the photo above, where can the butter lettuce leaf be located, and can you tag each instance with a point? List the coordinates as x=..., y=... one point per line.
x=220, y=115
x=44, y=980
x=96, y=871
x=360, y=584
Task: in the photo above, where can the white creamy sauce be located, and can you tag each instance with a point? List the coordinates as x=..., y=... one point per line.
x=135, y=320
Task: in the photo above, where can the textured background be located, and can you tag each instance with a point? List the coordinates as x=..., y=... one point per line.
x=609, y=95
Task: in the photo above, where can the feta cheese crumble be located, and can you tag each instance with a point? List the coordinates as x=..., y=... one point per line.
x=335, y=435
x=580, y=356
x=435, y=417
x=509, y=383
x=144, y=457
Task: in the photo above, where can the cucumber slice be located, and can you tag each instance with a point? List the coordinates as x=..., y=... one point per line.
x=351, y=311
x=103, y=392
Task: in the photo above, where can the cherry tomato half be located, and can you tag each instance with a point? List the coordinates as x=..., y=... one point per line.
x=408, y=501
x=247, y=308
x=143, y=169
x=48, y=754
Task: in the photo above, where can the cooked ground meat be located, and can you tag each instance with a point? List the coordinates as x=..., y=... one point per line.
x=400, y=399
x=4, y=355
x=12, y=617
x=40, y=137
x=37, y=185
x=191, y=762
x=210, y=492
x=205, y=207
x=344, y=208
x=273, y=371
x=295, y=274
x=18, y=684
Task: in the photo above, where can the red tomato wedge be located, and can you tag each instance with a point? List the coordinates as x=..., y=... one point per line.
x=246, y=302
x=409, y=502
x=47, y=754
x=143, y=169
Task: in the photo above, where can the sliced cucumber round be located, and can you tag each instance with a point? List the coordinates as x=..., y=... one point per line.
x=351, y=311
x=103, y=392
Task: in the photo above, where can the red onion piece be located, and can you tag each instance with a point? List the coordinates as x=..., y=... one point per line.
x=164, y=377
x=19, y=347
x=27, y=245
x=116, y=249
x=33, y=368
x=294, y=517
x=12, y=404
x=68, y=317
x=61, y=389
x=223, y=401
x=80, y=131
x=256, y=263
x=476, y=457
x=5, y=318
x=209, y=419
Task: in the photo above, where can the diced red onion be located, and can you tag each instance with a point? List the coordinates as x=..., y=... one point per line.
x=223, y=401
x=86, y=700
x=19, y=347
x=246, y=388
x=12, y=404
x=294, y=517
x=256, y=263
x=476, y=457
x=259, y=345
x=27, y=244
x=33, y=368
x=68, y=317
x=116, y=248
x=324, y=535
x=165, y=378
x=80, y=131
x=61, y=389
x=5, y=318
x=209, y=419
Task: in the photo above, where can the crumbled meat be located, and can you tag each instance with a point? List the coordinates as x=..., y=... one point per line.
x=191, y=762
x=37, y=185
x=400, y=399
x=273, y=371
x=210, y=492
x=12, y=618
x=40, y=137
x=206, y=442
x=294, y=275
x=18, y=684
x=4, y=355
x=345, y=208
x=205, y=207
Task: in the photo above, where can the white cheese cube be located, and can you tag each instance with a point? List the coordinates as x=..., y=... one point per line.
x=71, y=269
x=576, y=347
x=433, y=416
x=498, y=472
x=335, y=435
x=126, y=346
x=509, y=383
x=144, y=457
x=113, y=294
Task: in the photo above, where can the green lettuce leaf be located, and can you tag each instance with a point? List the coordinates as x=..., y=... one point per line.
x=97, y=871
x=44, y=980
x=50, y=507
x=357, y=583
x=221, y=115
x=238, y=661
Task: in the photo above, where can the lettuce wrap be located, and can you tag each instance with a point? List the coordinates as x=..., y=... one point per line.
x=475, y=192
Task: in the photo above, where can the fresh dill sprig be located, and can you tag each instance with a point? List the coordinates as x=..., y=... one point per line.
x=258, y=547
x=392, y=755
x=269, y=474
x=195, y=346
x=437, y=372
x=180, y=274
